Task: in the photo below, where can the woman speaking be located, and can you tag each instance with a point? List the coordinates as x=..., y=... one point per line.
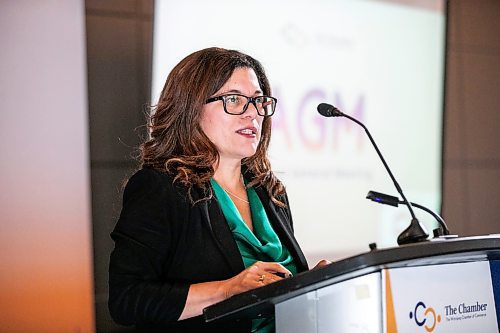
x=205, y=218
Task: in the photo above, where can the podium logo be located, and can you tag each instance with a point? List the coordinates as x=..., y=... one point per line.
x=425, y=316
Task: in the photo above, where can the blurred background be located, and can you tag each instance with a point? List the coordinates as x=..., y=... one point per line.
x=75, y=80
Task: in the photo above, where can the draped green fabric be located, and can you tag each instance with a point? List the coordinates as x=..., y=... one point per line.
x=261, y=245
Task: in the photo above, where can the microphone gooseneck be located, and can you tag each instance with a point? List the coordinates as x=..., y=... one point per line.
x=415, y=231
x=394, y=201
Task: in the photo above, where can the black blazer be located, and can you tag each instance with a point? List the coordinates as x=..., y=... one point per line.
x=163, y=244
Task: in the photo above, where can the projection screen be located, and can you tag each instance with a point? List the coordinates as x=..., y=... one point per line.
x=381, y=62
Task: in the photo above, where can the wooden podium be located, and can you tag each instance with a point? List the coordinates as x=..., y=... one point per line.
x=442, y=285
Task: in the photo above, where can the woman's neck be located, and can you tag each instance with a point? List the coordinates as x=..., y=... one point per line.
x=228, y=175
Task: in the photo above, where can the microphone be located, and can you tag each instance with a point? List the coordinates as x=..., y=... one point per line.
x=394, y=201
x=328, y=110
x=415, y=232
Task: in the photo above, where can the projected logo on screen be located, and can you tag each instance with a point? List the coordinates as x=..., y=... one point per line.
x=300, y=125
x=425, y=317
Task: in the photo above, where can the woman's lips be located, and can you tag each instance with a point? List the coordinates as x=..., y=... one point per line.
x=249, y=132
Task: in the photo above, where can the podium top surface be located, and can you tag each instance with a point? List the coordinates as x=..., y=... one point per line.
x=261, y=301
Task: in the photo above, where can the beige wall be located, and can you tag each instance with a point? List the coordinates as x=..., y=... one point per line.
x=45, y=224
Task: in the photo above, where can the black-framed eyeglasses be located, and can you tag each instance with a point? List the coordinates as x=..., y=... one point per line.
x=237, y=104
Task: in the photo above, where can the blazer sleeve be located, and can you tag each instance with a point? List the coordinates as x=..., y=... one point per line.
x=139, y=292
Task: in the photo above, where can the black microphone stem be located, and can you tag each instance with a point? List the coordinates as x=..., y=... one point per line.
x=415, y=231
x=438, y=218
x=398, y=188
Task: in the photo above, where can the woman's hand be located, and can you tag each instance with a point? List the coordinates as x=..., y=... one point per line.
x=322, y=263
x=255, y=276
x=204, y=294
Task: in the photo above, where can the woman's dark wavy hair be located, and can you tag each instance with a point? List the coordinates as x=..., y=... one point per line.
x=177, y=143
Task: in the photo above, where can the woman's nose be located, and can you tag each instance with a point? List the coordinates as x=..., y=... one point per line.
x=251, y=110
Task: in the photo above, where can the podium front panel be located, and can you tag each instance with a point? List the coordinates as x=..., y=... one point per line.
x=350, y=306
x=297, y=314
x=444, y=298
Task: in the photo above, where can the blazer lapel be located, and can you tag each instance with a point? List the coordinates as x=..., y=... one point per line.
x=222, y=235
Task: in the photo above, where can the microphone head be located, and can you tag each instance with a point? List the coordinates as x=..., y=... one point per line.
x=328, y=110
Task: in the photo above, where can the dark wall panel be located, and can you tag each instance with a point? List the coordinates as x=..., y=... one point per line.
x=119, y=46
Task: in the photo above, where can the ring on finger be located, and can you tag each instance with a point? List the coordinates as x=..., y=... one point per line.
x=262, y=277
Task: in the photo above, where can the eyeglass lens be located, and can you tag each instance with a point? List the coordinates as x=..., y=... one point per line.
x=238, y=104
